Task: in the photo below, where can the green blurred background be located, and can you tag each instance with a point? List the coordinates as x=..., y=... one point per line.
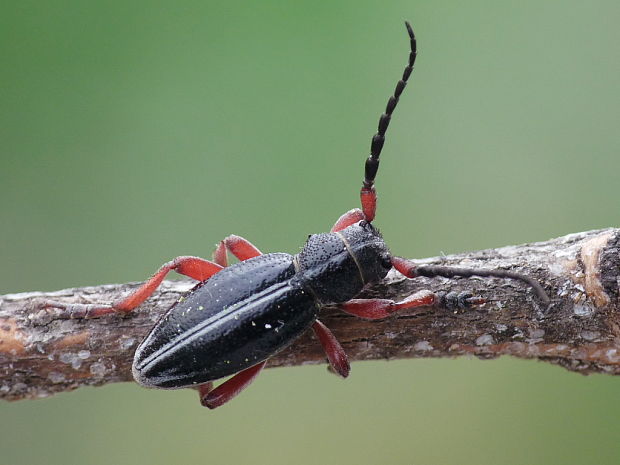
x=133, y=132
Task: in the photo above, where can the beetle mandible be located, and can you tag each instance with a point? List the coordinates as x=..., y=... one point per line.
x=239, y=316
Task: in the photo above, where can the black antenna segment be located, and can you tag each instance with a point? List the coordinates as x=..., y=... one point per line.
x=372, y=163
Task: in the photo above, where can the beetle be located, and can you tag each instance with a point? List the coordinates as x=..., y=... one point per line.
x=239, y=316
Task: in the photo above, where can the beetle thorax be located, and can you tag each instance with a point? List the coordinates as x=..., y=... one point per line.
x=336, y=266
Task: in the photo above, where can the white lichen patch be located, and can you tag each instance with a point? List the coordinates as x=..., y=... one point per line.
x=556, y=269
x=485, y=340
x=423, y=346
x=56, y=377
x=98, y=369
x=566, y=254
x=72, y=359
x=66, y=326
x=127, y=343
x=19, y=387
x=590, y=335
x=612, y=356
x=583, y=309
x=536, y=335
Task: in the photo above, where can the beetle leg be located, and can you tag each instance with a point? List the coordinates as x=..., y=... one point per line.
x=229, y=388
x=335, y=353
x=204, y=389
x=193, y=267
x=238, y=246
x=375, y=309
x=349, y=218
x=219, y=255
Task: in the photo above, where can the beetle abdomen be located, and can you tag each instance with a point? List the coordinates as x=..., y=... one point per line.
x=241, y=316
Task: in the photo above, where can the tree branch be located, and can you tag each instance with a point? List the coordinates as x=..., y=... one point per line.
x=41, y=354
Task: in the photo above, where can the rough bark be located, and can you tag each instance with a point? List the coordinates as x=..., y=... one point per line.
x=41, y=353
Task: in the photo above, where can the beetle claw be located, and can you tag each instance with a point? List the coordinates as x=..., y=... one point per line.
x=458, y=300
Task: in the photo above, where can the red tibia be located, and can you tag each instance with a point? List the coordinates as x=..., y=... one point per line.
x=375, y=309
x=335, y=353
x=404, y=266
x=229, y=388
x=349, y=218
x=241, y=248
x=194, y=267
x=369, y=202
x=219, y=254
x=204, y=389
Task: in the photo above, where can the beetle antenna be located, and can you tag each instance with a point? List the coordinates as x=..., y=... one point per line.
x=431, y=271
x=368, y=195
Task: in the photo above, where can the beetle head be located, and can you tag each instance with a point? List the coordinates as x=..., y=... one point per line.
x=369, y=250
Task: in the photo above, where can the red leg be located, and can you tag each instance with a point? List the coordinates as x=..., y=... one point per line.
x=375, y=309
x=349, y=218
x=238, y=246
x=204, y=389
x=219, y=255
x=335, y=353
x=229, y=388
x=194, y=267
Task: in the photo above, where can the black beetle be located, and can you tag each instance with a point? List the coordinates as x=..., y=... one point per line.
x=239, y=316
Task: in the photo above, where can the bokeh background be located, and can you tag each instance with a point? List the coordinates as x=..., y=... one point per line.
x=133, y=132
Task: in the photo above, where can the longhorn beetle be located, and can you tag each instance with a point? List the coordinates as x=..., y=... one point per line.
x=239, y=316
